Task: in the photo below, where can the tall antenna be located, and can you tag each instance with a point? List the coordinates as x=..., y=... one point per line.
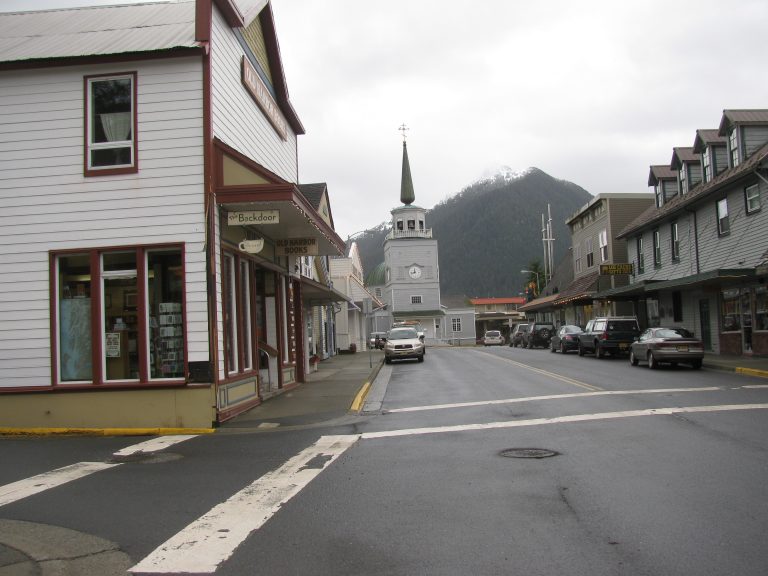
x=547, y=241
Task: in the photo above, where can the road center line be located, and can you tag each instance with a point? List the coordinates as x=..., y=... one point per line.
x=208, y=541
x=543, y=372
x=549, y=397
x=562, y=420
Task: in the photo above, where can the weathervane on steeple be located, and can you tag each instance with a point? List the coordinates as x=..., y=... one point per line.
x=403, y=128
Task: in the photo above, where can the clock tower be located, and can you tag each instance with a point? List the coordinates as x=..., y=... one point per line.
x=412, y=278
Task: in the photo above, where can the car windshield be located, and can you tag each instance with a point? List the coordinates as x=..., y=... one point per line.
x=402, y=334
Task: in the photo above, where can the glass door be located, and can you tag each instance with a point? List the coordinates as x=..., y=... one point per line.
x=120, y=316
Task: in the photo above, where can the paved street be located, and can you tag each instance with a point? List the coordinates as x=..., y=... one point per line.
x=479, y=460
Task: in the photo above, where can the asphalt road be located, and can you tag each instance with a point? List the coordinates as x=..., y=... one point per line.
x=644, y=473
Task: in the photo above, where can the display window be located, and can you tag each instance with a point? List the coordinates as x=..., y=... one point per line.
x=119, y=316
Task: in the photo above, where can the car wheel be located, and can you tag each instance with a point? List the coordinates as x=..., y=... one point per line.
x=562, y=348
x=599, y=352
x=581, y=350
x=696, y=364
x=388, y=360
x=552, y=347
x=653, y=364
x=632, y=360
x=421, y=358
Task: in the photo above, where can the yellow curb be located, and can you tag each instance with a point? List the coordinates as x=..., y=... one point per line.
x=360, y=398
x=752, y=372
x=103, y=431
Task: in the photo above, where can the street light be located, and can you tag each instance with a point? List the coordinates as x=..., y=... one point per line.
x=538, y=290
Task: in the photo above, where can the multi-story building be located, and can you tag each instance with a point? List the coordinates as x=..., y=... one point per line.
x=598, y=257
x=699, y=258
x=154, y=232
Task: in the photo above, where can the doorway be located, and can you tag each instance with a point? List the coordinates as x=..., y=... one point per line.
x=706, y=329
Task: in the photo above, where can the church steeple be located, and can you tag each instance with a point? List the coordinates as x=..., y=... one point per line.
x=407, y=195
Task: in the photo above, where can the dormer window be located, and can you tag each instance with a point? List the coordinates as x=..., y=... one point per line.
x=706, y=160
x=733, y=147
x=683, y=179
x=659, y=195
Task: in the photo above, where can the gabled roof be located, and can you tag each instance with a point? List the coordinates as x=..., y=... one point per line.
x=317, y=195
x=653, y=214
x=582, y=288
x=97, y=31
x=731, y=117
x=660, y=172
x=705, y=138
x=681, y=155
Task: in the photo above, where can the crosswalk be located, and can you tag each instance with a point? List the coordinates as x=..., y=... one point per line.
x=203, y=545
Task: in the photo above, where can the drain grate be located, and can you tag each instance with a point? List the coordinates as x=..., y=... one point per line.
x=528, y=453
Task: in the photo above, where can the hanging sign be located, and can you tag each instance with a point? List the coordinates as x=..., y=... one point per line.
x=615, y=269
x=253, y=217
x=252, y=246
x=296, y=247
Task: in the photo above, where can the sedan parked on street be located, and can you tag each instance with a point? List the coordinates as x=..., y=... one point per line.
x=668, y=345
x=403, y=343
x=493, y=338
x=565, y=339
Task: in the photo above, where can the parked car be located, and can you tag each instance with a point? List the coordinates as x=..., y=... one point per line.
x=493, y=338
x=410, y=324
x=377, y=340
x=565, y=339
x=516, y=338
x=403, y=343
x=538, y=335
x=608, y=335
x=671, y=345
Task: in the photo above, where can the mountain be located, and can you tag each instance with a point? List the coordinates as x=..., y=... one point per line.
x=491, y=230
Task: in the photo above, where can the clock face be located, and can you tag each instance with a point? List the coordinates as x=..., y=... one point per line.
x=414, y=272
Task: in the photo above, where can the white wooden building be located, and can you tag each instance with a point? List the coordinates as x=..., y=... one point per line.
x=153, y=228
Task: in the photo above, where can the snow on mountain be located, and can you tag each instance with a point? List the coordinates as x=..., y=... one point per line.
x=502, y=173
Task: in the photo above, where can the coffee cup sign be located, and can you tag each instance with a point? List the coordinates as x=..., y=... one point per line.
x=296, y=247
x=251, y=246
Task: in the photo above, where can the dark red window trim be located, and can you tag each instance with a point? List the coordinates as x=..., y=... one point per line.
x=97, y=328
x=134, y=168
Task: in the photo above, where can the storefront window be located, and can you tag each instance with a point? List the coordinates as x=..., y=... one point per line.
x=74, y=300
x=652, y=306
x=245, y=294
x=761, y=308
x=230, y=313
x=120, y=308
x=730, y=319
x=166, y=319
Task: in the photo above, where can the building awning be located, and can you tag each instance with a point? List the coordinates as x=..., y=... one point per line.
x=297, y=218
x=712, y=278
x=316, y=294
x=626, y=292
x=545, y=302
x=581, y=289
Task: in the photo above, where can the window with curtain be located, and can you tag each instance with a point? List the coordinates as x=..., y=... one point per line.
x=752, y=198
x=723, y=225
x=110, y=118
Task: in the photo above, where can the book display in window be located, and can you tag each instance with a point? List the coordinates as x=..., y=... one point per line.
x=168, y=356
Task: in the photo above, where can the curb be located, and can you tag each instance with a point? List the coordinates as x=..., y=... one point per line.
x=752, y=372
x=359, y=401
x=103, y=431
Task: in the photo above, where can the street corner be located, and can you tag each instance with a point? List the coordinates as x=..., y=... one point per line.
x=28, y=548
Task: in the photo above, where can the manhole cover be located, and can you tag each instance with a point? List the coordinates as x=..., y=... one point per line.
x=528, y=453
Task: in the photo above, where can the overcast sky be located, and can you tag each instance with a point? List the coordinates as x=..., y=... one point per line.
x=591, y=91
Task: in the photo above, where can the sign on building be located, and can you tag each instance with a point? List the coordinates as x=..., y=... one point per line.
x=615, y=269
x=253, y=217
x=296, y=247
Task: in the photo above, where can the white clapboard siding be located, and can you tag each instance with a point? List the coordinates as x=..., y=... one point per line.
x=237, y=120
x=49, y=205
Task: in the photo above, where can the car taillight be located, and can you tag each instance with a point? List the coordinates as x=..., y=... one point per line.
x=603, y=336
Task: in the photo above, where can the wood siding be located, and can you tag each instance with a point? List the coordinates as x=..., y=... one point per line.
x=754, y=137
x=49, y=205
x=236, y=118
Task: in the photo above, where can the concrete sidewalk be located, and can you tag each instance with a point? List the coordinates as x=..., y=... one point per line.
x=326, y=397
